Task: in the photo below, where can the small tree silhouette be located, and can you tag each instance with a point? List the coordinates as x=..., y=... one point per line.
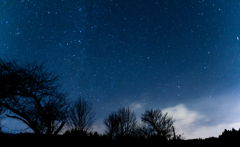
x=111, y=123
x=81, y=116
x=127, y=121
x=121, y=124
x=159, y=123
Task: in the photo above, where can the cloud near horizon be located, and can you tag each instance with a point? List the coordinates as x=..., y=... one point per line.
x=188, y=123
x=191, y=124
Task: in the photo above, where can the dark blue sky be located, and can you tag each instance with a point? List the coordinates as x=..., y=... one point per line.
x=179, y=56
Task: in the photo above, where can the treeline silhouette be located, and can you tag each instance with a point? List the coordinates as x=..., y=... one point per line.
x=31, y=94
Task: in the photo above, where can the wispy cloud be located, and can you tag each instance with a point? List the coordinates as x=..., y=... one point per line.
x=135, y=106
x=182, y=115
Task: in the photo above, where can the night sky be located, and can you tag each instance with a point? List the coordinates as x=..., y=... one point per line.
x=182, y=57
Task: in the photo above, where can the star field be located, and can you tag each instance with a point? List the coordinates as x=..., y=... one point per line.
x=143, y=54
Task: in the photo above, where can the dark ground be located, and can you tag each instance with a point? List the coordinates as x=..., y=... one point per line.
x=63, y=140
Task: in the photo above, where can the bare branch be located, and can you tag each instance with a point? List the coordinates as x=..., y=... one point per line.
x=31, y=92
x=120, y=123
x=160, y=123
x=81, y=115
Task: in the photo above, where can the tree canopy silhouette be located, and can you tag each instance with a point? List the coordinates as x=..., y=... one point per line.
x=31, y=94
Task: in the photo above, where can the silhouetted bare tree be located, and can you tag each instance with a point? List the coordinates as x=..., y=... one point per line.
x=111, y=123
x=127, y=121
x=158, y=123
x=30, y=93
x=81, y=116
x=120, y=123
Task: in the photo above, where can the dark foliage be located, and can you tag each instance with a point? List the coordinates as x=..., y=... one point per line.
x=230, y=134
